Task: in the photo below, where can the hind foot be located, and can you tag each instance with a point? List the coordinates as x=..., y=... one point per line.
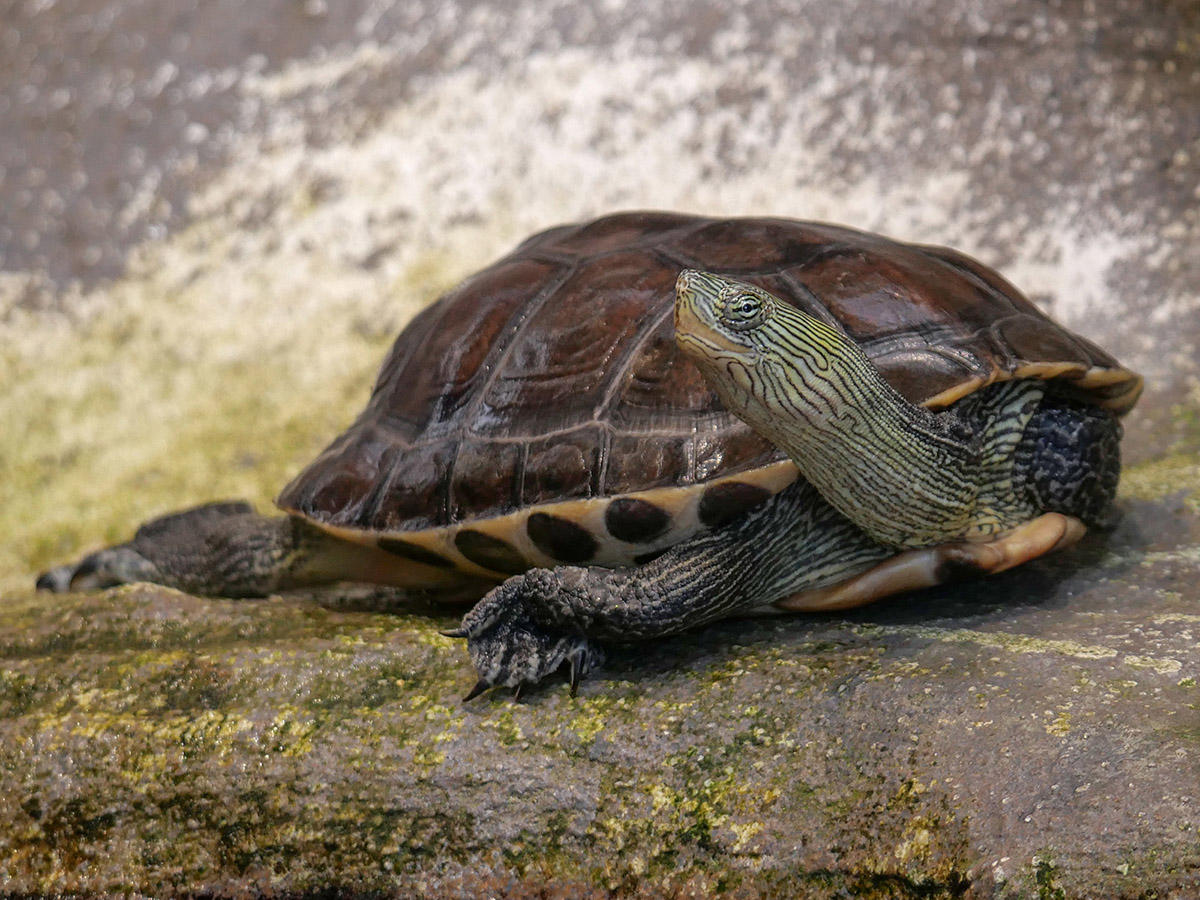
x=103, y=569
x=219, y=549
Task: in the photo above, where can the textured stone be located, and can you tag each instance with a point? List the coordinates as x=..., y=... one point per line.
x=213, y=219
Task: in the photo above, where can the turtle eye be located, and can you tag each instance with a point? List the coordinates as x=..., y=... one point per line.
x=743, y=311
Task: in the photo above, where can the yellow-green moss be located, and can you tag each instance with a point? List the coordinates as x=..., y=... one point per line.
x=1176, y=474
x=198, y=376
x=344, y=728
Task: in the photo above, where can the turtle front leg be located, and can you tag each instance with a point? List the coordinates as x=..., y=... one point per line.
x=534, y=624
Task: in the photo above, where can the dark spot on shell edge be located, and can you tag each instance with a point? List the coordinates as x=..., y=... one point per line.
x=724, y=502
x=561, y=538
x=958, y=565
x=490, y=552
x=635, y=521
x=414, y=552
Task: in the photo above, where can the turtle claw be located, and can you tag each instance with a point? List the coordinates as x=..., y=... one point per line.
x=511, y=645
x=57, y=580
x=454, y=633
x=103, y=569
x=576, y=674
x=480, y=686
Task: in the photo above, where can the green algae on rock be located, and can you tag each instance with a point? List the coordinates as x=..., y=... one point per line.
x=331, y=198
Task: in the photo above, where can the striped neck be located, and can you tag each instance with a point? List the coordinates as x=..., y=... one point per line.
x=908, y=477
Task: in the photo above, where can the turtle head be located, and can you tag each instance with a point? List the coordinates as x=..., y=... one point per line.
x=808, y=388
x=761, y=354
x=719, y=318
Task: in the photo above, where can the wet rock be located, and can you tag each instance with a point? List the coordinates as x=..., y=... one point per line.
x=212, y=222
x=1035, y=729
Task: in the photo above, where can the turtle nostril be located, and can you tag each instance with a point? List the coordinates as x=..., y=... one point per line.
x=683, y=284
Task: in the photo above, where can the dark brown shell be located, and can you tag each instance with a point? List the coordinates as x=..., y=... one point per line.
x=553, y=375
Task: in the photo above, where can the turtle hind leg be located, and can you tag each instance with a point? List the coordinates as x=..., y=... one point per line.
x=219, y=549
x=226, y=549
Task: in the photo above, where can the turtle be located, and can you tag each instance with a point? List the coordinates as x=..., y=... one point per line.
x=640, y=424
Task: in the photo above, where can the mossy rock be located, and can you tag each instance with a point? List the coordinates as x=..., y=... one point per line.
x=1036, y=734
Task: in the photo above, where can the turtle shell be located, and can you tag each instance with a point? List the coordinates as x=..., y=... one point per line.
x=546, y=392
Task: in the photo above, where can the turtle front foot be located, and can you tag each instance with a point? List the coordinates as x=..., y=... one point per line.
x=512, y=646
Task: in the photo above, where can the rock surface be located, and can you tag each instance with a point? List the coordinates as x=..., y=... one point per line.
x=213, y=219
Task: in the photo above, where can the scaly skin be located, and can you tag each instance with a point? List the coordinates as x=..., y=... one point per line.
x=883, y=475
x=908, y=477
x=220, y=549
x=533, y=624
x=880, y=475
